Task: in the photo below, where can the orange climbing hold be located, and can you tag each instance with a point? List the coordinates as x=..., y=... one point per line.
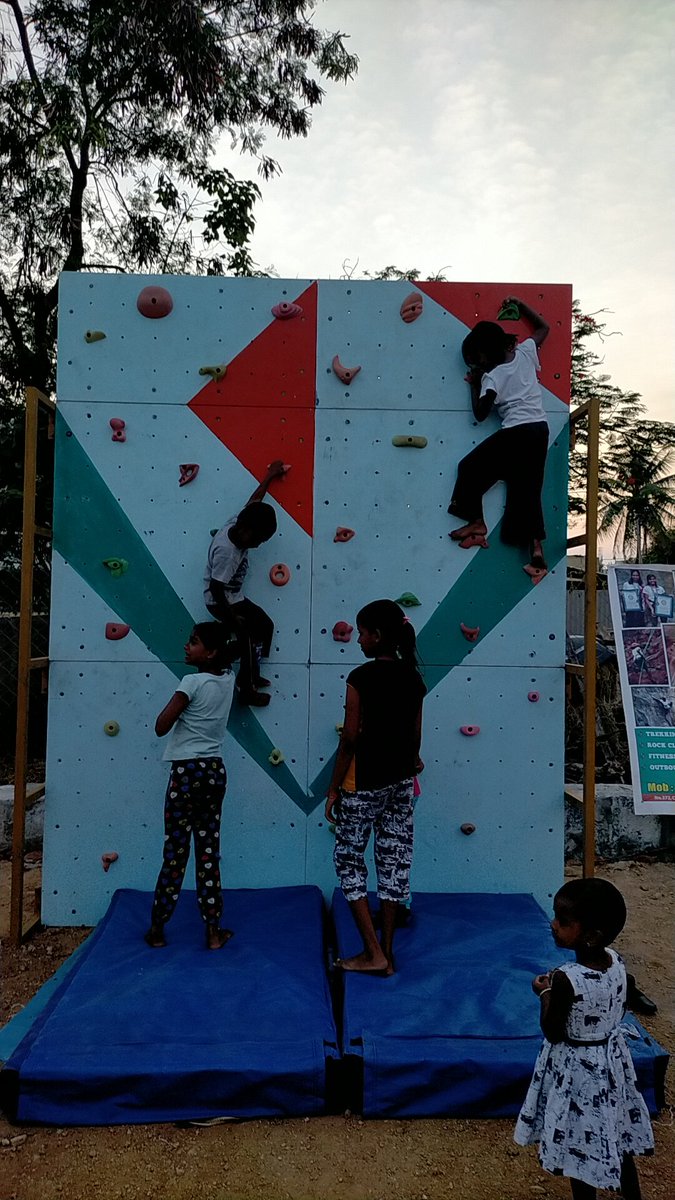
x=470, y=634
x=154, y=302
x=108, y=859
x=114, y=631
x=280, y=574
x=118, y=427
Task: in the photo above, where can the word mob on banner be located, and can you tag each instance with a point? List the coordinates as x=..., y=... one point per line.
x=642, y=600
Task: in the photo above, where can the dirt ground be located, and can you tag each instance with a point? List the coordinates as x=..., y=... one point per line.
x=329, y=1158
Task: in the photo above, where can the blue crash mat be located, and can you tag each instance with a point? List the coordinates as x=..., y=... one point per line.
x=455, y=1032
x=134, y=1035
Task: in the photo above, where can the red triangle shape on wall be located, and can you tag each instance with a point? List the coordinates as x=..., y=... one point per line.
x=264, y=407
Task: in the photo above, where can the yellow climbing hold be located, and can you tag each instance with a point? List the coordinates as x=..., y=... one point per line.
x=409, y=440
x=116, y=566
x=276, y=757
x=218, y=372
x=94, y=335
x=111, y=728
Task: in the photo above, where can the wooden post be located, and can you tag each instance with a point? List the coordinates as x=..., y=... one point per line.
x=590, y=635
x=26, y=663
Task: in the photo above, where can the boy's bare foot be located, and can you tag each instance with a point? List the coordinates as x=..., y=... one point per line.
x=216, y=938
x=479, y=528
x=362, y=964
x=155, y=937
x=254, y=698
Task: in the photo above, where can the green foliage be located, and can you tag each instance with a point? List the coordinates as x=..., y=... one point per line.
x=115, y=116
x=636, y=486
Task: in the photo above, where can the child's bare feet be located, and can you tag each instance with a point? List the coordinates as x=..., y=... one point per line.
x=363, y=964
x=216, y=938
x=472, y=528
x=155, y=937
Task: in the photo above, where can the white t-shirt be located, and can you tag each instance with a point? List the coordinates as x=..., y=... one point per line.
x=518, y=394
x=226, y=563
x=200, y=729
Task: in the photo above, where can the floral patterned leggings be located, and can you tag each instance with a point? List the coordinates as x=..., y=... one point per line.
x=194, y=799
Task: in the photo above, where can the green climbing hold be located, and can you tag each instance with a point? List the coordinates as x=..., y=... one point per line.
x=509, y=311
x=408, y=600
x=116, y=566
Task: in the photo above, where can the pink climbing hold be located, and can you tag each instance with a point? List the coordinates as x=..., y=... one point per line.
x=285, y=310
x=471, y=634
x=118, y=427
x=412, y=307
x=154, y=302
x=469, y=730
x=468, y=828
x=115, y=631
x=346, y=374
x=343, y=535
x=342, y=631
x=533, y=697
x=188, y=472
x=108, y=859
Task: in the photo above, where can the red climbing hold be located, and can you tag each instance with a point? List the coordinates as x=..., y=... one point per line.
x=188, y=472
x=533, y=697
x=343, y=535
x=346, y=374
x=108, y=859
x=279, y=574
x=118, y=427
x=285, y=310
x=154, y=302
x=468, y=828
x=114, y=631
x=412, y=307
x=469, y=730
x=536, y=574
x=342, y=631
x=470, y=634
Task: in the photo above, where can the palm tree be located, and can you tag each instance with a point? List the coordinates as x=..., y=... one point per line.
x=641, y=506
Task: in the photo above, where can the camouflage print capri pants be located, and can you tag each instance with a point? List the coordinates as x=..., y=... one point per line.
x=389, y=812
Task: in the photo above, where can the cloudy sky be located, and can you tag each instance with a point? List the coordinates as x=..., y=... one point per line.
x=505, y=140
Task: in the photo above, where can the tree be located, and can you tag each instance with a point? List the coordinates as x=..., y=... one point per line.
x=110, y=113
x=636, y=487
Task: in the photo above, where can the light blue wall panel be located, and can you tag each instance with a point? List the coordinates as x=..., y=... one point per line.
x=156, y=361
x=105, y=793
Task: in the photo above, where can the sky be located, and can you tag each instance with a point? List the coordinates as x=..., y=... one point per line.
x=496, y=140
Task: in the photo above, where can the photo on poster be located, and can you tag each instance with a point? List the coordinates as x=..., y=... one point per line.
x=669, y=636
x=654, y=707
x=659, y=597
x=645, y=656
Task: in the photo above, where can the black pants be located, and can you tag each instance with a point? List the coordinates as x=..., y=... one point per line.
x=194, y=798
x=518, y=457
x=253, y=630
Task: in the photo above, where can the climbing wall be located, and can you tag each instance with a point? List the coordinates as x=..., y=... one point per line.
x=159, y=376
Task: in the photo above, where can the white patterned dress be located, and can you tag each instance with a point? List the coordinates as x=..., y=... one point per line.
x=583, y=1106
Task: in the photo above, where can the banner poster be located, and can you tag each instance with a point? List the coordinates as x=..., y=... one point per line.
x=642, y=601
